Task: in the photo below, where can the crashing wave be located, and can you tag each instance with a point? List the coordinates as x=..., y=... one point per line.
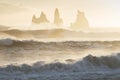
x=87, y=63
x=105, y=67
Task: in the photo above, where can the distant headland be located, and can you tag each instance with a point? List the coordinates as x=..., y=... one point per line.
x=80, y=22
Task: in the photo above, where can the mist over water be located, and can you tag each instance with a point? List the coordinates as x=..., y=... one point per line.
x=54, y=40
x=54, y=54
x=50, y=60
x=59, y=54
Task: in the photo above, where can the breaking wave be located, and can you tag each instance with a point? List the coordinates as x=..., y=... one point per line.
x=94, y=67
x=88, y=67
x=87, y=63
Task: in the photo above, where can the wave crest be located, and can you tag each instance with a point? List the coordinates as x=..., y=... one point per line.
x=89, y=63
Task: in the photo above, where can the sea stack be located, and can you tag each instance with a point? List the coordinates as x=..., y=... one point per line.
x=41, y=19
x=57, y=20
x=81, y=21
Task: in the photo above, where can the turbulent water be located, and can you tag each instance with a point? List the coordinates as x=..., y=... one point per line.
x=68, y=60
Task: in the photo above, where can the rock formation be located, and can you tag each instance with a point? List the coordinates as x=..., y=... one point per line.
x=81, y=21
x=57, y=20
x=41, y=19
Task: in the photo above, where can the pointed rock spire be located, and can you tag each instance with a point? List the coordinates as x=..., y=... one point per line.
x=57, y=19
x=81, y=21
x=34, y=18
x=41, y=19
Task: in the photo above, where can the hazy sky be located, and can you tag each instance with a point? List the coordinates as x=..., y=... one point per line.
x=98, y=12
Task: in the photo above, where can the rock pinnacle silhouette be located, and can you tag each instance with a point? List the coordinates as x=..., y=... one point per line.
x=57, y=20
x=81, y=21
x=41, y=19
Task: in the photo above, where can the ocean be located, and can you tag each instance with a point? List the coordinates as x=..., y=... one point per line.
x=64, y=60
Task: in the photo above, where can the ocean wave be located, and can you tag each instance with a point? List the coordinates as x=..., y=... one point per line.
x=87, y=63
x=89, y=68
x=52, y=35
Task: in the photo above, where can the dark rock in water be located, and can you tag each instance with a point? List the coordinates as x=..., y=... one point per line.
x=41, y=19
